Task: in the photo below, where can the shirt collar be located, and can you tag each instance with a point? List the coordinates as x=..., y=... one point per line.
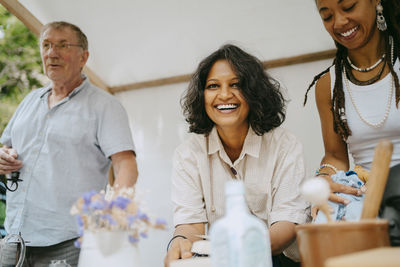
x=46, y=90
x=84, y=83
x=214, y=143
x=251, y=146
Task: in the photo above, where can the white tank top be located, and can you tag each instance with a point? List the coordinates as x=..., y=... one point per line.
x=371, y=101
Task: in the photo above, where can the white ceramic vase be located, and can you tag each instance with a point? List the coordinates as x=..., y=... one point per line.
x=108, y=248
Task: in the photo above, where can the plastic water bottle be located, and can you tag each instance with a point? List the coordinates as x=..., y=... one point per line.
x=239, y=239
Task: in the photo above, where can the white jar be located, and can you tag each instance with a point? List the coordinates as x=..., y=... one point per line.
x=108, y=248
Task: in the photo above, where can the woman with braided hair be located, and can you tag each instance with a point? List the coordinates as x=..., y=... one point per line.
x=358, y=96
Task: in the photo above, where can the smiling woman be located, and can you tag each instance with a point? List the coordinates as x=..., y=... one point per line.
x=234, y=109
x=225, y=104
x=260, y=91
x=358, y=96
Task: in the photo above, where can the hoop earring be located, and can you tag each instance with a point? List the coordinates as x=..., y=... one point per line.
x=380, y=19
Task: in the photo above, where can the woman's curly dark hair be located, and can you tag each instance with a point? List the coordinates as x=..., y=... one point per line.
x=261, y=92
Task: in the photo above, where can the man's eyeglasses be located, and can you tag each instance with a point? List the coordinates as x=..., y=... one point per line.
x=62, y=47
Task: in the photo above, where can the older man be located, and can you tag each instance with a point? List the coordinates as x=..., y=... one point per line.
x=62, y=139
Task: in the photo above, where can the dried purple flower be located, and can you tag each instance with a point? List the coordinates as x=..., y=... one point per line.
x=79, y=220
x=113, y=210
x=131, y=219
x=160, y=222
x=98, y=205
x=87, y=197
x=110, y=220
x=143, y=234
x=77, y=243
x=133, y=239
x=120, y=202
x=142, y=216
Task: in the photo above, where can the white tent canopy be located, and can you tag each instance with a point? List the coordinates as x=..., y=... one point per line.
x=136, y=41
x=154, y=45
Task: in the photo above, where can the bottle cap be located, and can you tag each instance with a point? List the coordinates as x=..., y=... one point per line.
x=234, y=187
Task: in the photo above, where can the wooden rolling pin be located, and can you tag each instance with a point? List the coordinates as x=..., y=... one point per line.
x=377, y=179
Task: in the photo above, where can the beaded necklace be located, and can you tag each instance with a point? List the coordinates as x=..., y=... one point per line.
x=368, y=68
x=389, y=102
x=387, y=110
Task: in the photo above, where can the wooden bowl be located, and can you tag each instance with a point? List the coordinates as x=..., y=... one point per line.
x=317, y=242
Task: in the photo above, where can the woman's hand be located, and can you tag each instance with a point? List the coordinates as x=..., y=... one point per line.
x=180, y=248
x=181, y=245
x=339, y=188
x=315, y=210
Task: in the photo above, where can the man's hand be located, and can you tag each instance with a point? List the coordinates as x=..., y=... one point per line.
x=8, y=160
x=179, y=248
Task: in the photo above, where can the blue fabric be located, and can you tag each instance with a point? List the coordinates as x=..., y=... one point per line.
x=351, y=211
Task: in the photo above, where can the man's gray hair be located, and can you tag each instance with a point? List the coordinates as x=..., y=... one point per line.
x=82, y=39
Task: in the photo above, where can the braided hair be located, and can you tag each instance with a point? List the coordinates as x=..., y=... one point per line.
x=391, y=12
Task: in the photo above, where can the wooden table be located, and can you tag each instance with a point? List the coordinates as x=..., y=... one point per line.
x=377, y=257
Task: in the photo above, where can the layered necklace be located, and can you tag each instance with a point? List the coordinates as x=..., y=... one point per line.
x=390, y=94
x=354, y=80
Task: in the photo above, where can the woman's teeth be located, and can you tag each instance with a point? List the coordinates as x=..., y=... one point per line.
x=349, y=32
x=227, y=106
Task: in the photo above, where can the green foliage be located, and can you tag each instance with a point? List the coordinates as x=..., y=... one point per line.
x=2, y=212
x=20, y=64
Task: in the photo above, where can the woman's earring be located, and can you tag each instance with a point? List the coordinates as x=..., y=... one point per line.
x=380, y=19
